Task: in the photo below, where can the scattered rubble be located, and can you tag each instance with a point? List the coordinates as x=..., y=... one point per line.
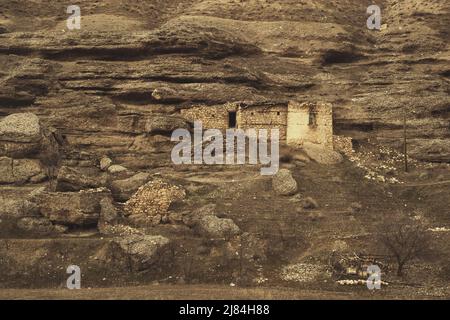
x=343, y=145
x=381, y=165
x=119, y=230
x=439, y=229
x=350, y=282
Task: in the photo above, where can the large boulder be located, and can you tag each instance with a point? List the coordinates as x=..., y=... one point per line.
x=20, y=171
x=165, y=124
x=206, y=222
x=72, y=208
x=20, y=135
x=215, y=227
x=322, y=155
x=283, y=183
x=16, y=204
x=141, y=250
x=70, y=179
x=116, y=169
x=109, y=214
x=20, y=127
x=122, y=190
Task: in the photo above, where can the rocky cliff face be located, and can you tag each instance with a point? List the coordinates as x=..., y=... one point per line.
x=138, y=61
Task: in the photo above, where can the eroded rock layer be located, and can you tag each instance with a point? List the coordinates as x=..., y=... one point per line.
x=132, y=67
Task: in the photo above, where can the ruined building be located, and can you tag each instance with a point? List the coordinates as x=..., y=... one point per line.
x=297, y=122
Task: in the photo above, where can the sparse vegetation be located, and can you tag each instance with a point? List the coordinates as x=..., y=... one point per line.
x=403, y=238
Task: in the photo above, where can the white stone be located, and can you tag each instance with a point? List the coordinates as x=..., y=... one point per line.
x=105, y=163
x=116, y=169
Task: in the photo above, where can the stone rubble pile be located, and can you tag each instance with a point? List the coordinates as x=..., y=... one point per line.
x=154, y=199
x=343, y=145
x=381, y=164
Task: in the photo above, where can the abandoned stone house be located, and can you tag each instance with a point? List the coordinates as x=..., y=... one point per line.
x=297, y=122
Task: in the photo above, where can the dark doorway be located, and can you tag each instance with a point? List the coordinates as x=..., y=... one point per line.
x=312, y=119
x=232, y=119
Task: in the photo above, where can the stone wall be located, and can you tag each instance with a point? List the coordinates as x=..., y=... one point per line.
x=292, y=121
x=263, y=117
x=252, y=117
x=299, y=126
x=211, y=117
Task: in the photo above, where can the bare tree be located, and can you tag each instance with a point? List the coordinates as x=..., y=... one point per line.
x=404, y=238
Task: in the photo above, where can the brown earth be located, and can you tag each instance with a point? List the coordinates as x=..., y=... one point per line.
x=197, y=292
